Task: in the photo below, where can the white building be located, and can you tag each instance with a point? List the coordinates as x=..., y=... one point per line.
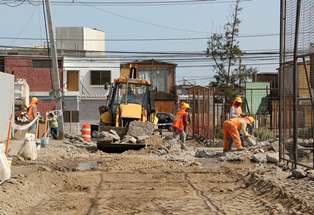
x=85, y=73
x=80, y=39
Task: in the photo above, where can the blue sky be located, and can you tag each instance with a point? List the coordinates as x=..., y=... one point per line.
x=258, y=17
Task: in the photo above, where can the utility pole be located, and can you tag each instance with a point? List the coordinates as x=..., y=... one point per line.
x=56, y=89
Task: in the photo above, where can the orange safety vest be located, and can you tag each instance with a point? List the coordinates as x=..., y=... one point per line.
x=30, y=113
x=236, y=122
x=178, y=120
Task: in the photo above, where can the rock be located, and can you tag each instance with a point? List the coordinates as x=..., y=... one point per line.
x=132, y=140
x=114, y=135
x=233, y=156
x=272, y=157
x=259, y=158
x=275, y=146
x=166, y=134
x=204, y=153
x=297, y=173
x=105, y=140
x=138, y=128
x=310, y=174
x=142, y=138
x=161, y=152
x=249, y=141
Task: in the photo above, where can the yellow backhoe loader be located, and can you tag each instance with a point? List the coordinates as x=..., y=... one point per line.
x=128, y=100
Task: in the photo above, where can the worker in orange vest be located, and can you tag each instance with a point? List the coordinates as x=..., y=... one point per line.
x=236, y=110
x=180, y=122
x=232, y=129
x=32, y=113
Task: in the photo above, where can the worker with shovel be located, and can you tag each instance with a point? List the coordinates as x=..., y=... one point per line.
x=232, y=129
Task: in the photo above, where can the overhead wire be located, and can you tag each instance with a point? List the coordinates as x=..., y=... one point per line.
x=142, y=3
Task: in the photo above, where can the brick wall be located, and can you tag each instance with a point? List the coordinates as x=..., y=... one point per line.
x=38, y=79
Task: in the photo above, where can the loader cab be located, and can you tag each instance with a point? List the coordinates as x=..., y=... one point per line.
x=128, y=100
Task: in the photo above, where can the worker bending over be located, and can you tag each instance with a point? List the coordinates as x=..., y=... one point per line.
x=236, y=110
x=232, y=129
x=180, y=123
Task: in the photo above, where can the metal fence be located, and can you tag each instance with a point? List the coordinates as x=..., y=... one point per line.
x=210, y=108
x=296, y=81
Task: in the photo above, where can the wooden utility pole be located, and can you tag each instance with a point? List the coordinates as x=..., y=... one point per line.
x=56, y=89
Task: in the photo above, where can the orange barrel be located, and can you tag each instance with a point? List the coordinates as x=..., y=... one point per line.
x=86, y=132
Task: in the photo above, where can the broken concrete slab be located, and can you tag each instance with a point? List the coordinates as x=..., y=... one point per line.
x=233, y=156
x=272, y=157
x=259, y=158
x=114, y=135
x=204, y=153
x=142, y=138
x=138, y=128
x=297, y=173
x=275, y=146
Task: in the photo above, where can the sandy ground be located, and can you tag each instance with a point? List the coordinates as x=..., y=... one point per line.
x=143, y=183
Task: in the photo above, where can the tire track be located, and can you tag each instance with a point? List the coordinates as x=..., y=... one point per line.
x=211, y=206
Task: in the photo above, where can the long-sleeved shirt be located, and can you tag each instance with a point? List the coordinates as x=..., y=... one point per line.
x=235, y=111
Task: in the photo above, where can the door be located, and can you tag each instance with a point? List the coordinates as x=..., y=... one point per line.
x=73, y=80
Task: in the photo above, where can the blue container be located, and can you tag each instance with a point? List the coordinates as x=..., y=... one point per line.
x=44, y=141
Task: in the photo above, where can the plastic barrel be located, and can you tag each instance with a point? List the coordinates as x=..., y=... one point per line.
x=86, y=132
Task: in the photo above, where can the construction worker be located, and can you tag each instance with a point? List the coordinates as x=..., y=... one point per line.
x=53, y=124
x=236, y=110
x=232, y=129
x=179, y=124
x=187, y=128
x=32, y=113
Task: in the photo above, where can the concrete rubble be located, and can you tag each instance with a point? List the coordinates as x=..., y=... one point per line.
x=260, y=152
x=138, y=133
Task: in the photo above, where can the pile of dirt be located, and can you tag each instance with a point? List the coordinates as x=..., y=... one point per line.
x=271, y=183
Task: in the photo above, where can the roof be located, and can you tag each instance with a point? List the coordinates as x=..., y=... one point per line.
x=148, y=62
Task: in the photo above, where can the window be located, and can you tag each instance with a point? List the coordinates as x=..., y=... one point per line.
x=73, y=80
x=158, y=77
x=100, y=77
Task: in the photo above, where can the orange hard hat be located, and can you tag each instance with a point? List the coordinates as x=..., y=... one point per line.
x=250, y=119
x=34, y=100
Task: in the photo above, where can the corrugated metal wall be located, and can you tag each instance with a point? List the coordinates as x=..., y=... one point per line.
x=7, y=103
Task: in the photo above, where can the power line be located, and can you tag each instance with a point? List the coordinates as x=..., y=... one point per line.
x=138, y=39
x=142, y=3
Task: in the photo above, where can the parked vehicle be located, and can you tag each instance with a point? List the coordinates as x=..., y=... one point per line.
x=165, y=120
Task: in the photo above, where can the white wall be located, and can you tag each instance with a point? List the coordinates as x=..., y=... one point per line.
x=94, y=40
x=84, y=65
x=80, y=38
x=7, y=103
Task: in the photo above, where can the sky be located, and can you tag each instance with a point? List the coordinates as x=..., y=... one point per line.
x=171, y=21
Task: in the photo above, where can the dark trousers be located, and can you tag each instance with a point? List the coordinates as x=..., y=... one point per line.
x=54, y=133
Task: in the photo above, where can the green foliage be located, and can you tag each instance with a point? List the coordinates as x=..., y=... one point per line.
x=225, y=51
x=263, y=134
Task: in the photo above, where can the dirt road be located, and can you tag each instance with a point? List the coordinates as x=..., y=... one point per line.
x=133, y=183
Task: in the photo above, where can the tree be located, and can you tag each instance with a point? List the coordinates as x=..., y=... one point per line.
x=224, y=49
